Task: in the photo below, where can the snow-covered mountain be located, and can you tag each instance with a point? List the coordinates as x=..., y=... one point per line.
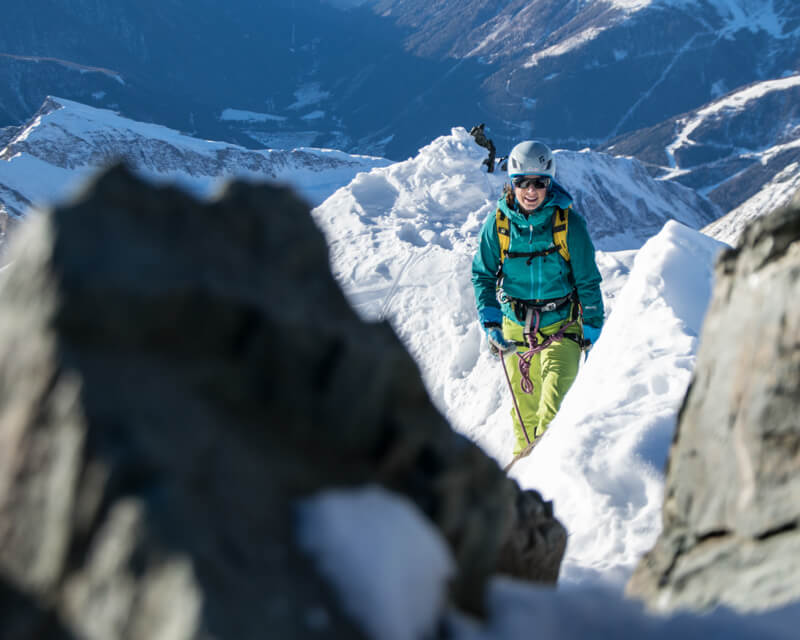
x=274, y=73
x=585, y=71
x=402, y=239
x=65, y=142
x=419, y=220
x=742, y=150
x=778, y=192
x=387, y=76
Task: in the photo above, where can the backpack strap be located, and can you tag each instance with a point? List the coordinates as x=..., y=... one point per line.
x=560, y=228
x=503, y=234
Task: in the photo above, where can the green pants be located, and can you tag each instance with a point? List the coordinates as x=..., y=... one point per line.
x=552, y=373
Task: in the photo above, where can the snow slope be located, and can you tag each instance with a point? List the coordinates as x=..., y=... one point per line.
x=741, y=151
x=778, y=192
x=610, y=439
x=401, y=240
x=67, y=141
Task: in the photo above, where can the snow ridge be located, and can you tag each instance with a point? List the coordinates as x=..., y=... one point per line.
x=66, y=142
x=402, y=240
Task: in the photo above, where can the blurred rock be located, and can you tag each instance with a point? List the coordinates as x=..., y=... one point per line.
x=174, y=376
x=731, y=512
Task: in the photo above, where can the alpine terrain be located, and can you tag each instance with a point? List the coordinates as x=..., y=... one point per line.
x=385, y=77
x=674, y=124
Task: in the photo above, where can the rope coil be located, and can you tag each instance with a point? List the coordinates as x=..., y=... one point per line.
x=530, y=335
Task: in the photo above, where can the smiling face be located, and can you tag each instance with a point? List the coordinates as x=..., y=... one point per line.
x=531, y=191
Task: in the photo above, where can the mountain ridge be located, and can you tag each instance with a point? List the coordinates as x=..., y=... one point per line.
x=391, y=75
x=741, y=150
x=65, y=142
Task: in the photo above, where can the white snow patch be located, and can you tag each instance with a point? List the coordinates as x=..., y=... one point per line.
x=719, y=88
x=503, y=26
x=307, y=95
x=388, y=563
x=314, y=115
x=602, y=459
x=565, y=46
x=754, y=15
x=241, y=115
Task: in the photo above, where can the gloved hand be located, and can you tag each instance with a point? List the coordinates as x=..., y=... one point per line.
x=497, y=343
x=590, y=333
x=492, y=322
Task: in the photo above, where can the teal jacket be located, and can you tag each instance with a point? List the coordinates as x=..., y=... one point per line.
x=547, y=277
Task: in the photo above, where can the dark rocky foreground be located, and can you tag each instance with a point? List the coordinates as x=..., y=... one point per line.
x=732, y=499
x=174, y=376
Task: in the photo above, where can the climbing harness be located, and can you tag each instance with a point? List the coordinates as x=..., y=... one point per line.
x=530, y=333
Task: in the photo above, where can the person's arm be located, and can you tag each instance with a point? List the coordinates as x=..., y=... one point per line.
x=484, y=281
x=484, y=269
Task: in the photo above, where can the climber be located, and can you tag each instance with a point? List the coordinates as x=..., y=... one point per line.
x=479, y=134
x=537, y=289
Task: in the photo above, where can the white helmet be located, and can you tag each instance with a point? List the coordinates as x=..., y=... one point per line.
x=531, y=158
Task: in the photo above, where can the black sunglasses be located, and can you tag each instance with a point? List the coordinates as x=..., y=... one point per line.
x=537, y=182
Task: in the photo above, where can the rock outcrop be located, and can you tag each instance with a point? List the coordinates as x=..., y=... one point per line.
x=731, y=512
x=174, y=376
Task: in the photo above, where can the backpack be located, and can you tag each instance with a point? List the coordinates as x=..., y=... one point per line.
x=560, y=226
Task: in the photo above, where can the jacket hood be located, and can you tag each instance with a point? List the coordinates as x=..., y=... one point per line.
x=558, y=196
